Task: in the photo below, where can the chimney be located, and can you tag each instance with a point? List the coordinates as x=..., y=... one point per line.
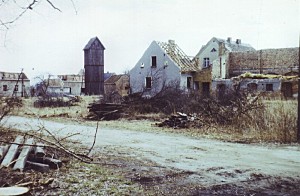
x=229, y=39
x=238, y=41
x=171, y=47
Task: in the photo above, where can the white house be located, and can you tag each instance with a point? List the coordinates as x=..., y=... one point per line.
x=215, y=54
x=162, y=64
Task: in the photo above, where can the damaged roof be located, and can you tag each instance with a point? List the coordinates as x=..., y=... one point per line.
x=178, y=56
x=233, y=46
x=12, y=76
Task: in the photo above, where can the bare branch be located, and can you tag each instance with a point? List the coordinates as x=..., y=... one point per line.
x=53, y=6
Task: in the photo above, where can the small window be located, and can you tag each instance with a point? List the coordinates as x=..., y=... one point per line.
x=16, y=87
x=4, y=87
x=189, y=82
x=153, y=61
x=252, y=87
x=206, y=62
x=213, y=50
x=269, y=87
x=148, y=82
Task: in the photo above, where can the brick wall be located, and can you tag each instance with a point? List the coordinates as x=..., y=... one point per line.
x=283, y=61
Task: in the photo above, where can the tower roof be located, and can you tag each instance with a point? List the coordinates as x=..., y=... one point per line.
x=94, y=42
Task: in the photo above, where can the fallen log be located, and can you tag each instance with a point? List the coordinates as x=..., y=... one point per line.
x=37, y=166
x=12, y=151
x=20, y=163
x=3, y=151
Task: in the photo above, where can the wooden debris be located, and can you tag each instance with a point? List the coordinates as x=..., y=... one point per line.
x=32, y=156
x=53, y=163
x=3, y=151
x=105, y=111
x=37, y=166
x=180, y=120
x=8, y=159
x=20, y=163
x=39, y=150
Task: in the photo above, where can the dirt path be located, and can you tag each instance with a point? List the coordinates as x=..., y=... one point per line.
x=209, y=161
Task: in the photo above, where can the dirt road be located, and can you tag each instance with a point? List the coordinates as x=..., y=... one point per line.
x=206, y=161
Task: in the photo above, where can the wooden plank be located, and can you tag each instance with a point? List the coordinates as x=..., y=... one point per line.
x=39, y=150
x=37, y=166
x=20, y=163
x=3, y=151
x=53, y=163
x=12, y=151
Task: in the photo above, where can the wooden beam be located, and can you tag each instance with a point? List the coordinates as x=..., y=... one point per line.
x=37, y=166
x=3, y=151
x=39, y=150
x=13, y=149
x=21, y=161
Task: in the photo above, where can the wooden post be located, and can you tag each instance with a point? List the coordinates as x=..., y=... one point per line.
x=21, y=161
x=13, y=149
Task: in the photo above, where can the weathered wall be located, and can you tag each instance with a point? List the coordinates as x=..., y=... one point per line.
x=11, y=86
x=206, y=52
x=94, y=69
x=281, y=61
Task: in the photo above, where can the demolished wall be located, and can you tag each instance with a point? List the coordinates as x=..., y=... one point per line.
x=283, y=61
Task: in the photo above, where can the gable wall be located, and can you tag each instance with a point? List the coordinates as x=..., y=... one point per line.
x=207, y=52
x=159, y=74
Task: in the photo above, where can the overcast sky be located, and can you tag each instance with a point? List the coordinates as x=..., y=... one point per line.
x=44, y=40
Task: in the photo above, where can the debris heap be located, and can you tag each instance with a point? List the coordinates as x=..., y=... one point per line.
x=105, y=111
x=179, y=120
x=26, y=154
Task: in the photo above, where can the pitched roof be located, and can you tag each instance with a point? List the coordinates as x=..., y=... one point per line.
x=72, y=77
x=233, y=46
x=178, y=56
x=90, y=43
x=12, y=76
x=230, y=45
x=114, y=78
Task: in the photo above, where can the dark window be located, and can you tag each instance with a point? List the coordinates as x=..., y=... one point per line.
x=196, y=85
x=148, y=82
x=189, y=82
x=16, y=88
x=213, y=50
x=4, y=87
x=153, y=61
x=252, y=87
x=269, y=87
x=206, y=62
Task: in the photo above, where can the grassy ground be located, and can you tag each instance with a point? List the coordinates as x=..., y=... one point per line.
x=276, y=123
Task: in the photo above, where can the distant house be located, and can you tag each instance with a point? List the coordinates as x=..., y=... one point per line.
x=212, y=60
x=117, y=84
x=94, y=67
x=14, y=84
x=116, y=88
x=74, y=83
x=162, y=64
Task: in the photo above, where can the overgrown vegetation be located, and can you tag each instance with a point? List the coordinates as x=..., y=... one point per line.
x=8, y=104
x=244, y=113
